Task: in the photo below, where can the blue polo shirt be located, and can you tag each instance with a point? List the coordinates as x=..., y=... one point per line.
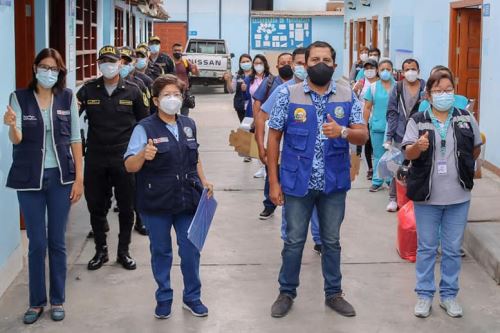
x=268, y=105
x=260, y=93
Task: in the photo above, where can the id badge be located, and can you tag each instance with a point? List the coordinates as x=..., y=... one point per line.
x=442, y=168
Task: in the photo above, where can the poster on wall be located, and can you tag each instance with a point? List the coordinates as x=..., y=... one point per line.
x=274, y=33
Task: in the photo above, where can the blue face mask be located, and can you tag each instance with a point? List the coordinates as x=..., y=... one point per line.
x=246, y=66
x=154, y=48
x=385, y=75
x=443, y=102
x=300, y=72
x=141, y=63
x=46, y=78
x=125, y=71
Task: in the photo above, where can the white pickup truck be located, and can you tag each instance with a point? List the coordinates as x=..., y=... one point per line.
x=212, y=58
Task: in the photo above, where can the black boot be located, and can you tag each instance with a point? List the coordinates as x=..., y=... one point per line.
x=126, y=261
x=100, y=258
x=139, y=226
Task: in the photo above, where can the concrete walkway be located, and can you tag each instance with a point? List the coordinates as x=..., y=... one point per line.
x=240, y=265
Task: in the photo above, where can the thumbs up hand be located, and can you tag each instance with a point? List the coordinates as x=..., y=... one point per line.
x=150, y=151
x=423, y=142
x=331, y=129
x=9, y=117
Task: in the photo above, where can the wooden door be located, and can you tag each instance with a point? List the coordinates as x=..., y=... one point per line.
x=351, y=44
x=466, y=62
x=171, y=33
x=361, y=35
x=374, y=32
x=57, y=36
x=25, y=41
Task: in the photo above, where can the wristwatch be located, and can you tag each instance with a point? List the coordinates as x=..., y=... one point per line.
x=344, y=132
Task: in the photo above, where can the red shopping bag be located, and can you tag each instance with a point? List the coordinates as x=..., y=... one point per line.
x=401, y=194
x=407, y=233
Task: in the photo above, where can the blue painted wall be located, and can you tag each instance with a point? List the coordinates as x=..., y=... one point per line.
x=331, y=30
x=235, y=27
x=9, y=235
x=41, y=12
x=204, y=18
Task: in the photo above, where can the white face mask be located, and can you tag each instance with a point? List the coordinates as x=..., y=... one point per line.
x=370, y=73
x=259, y=68
x=109, y=69
x=374, y=58
x=363, y=57
x=170, y=105
x=411, y=75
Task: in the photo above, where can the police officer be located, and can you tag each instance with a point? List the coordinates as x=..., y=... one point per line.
x=113, y=107
x=159, y=59
x=128, y=72
x=141, y=65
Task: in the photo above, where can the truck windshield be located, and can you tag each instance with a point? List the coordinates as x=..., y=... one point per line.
x=207, y=47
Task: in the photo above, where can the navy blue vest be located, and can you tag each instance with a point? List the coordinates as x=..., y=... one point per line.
x=300, y=139
x=169, y=183
x=27, y=168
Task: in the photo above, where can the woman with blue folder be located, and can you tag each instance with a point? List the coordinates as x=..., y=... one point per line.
x=163, y=151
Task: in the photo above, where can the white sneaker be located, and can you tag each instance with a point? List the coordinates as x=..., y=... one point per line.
x=453, y=309
x=423, y=307
x=261, y=173
x=392, y=206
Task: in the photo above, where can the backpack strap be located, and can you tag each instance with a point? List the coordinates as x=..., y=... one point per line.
x=269, y=84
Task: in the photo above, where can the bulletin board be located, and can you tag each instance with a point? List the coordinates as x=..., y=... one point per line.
x=275, y=33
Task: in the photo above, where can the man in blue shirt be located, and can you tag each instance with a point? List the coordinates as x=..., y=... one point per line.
x=318, y=119
x=267, y=87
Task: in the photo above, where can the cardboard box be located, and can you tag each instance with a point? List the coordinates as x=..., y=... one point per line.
x=244, y=143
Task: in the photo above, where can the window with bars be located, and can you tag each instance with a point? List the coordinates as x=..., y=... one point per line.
x=118, y=27
x=86, y=40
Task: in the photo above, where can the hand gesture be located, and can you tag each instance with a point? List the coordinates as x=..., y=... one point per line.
x=210, y=189
x=150, y=151
x=423, y=142
x=76, y=191
x=9, y=117
x=331, y=129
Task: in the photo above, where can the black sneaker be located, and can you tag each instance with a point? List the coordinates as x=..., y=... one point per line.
x=281, y=306
x=375, y=188
x=140, y=228
x=338, y=304
x=116, y=209
x=266, y=213
x=126, y=261
x=369, y=175
x=318, y=248
x=100, y=258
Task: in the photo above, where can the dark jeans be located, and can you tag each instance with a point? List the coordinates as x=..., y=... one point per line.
x=100, y=175
x=298, y=213
x=267, y=200
x=159, y=227
x=52, y=199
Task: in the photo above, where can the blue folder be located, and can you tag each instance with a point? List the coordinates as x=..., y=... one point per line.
x=198, y=230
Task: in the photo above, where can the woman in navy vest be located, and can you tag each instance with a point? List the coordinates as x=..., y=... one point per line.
x=163, y=151
x=47, y=174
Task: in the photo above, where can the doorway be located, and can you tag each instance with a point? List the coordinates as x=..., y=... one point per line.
x=24, y=12
x=374, y=31
x=465, y=49
x=351, y=43
x=57, y=22
x=361, y=34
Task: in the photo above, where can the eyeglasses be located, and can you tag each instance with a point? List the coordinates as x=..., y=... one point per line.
x=440, y=91
x=178, y=95
x=48, y=68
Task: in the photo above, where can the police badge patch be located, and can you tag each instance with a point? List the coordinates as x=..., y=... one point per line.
x=300, y=115
x=339, y=112
x=188, y=131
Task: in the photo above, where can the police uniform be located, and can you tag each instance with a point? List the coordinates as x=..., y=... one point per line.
x=111, y=119
x=128, y=54
x=146, y=75
x=163, y=64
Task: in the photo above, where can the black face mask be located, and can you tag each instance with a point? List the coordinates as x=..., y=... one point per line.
x=177, y=55
x=286, y=72
x=320, y=74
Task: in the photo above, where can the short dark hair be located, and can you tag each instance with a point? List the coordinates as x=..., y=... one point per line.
x=61, y=78
x=319, y=44
x=374, y=49
x=166, y=80
x=385, y=61
x=436, y=78
x=441, y=68
x=409, y=61
x=284, y=54
x=177, y=44
x=297, y=51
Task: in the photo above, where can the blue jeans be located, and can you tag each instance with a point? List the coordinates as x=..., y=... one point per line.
x=314, y=226
x=451, y=219
x=159, y=226
x=54, y=200
x=298, y=213
x=267, y=200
